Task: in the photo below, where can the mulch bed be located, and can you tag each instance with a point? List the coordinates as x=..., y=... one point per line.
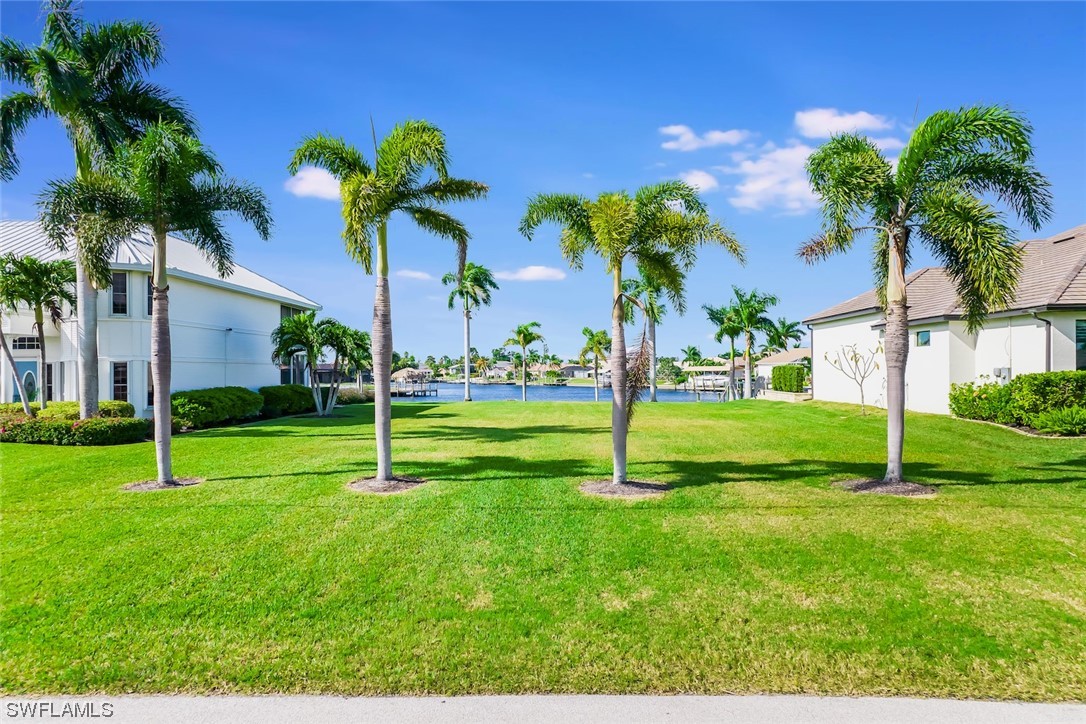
x=902, y=489
x=144, y=486
x=630, y=490
x=385, y=487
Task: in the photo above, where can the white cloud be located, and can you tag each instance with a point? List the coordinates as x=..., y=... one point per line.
x=413, y=274
x=889, y=143
x=825, y=122
x=313, y=181
x=686, y=140
x=773, y=177
x=532, y=274
x=701, y=180
x=588, y=174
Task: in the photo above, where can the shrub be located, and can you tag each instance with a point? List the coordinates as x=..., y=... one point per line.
x=94, y=431
x=215, y=406
x=789, y=378
x=282, y=400
x=1061, y=421
x=69, y=410
x=1042, y=392
x=982, y=401
x=351, y=396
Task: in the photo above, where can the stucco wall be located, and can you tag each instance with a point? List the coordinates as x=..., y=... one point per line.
x=828, y=339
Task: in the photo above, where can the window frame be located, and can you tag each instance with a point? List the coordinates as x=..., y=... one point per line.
x=25, y=343
x=927, y=338
x=114, y=369
x=1080, y=344
x=113, y=294
x=150, y=297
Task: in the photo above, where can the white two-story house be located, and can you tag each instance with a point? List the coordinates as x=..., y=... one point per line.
x=220, y=328
x=1043, y=330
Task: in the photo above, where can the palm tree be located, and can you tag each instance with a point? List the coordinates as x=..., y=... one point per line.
x=482, y=366
x=649, y=298
x=659, y=229
x=691, y=355
x=597, y=344
x=90, y=77
x=350, y=349
x=169, y=182
x=935, y=193
x=749, y=310
x=370, y=195
x=728, y=327
x=499, y=354
x=780, y=334
x=524, y=336
x=473, y=288
x=9, y=300
x=44, y=287
x=303, y=334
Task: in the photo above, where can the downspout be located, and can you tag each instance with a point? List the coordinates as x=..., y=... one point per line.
x=810, y=333
x=1048, y=340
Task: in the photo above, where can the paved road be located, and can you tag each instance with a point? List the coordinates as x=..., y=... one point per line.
x=528, y=709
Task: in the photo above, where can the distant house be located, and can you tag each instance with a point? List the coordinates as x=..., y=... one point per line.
x=221, y=328
x=498, y=370
x=575, y=371
x=1043, y=329
x=764, y=367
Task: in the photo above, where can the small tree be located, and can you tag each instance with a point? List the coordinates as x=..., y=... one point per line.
x=857, y=366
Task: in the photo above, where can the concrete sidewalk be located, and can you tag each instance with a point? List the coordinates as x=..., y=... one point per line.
x=524, y=709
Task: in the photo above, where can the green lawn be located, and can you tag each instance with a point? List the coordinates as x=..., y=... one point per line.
x=753, y=575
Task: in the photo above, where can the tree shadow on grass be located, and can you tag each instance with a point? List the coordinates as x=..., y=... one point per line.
x=482, y=433
x=309, y=425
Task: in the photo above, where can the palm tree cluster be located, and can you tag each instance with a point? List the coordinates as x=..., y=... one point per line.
x=306, y=336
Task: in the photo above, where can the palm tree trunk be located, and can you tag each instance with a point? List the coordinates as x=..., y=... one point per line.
x=161, y=359
x=596, y=376
x=747, y=392
x=731, y=373
x=652, y=360
x=896, y=348
x=39, y=321
x=15, y=374
x=467, y=354
x=382, y=360
x=86, y=313
x=523, y=373
x=314, y=384
x=618, y=382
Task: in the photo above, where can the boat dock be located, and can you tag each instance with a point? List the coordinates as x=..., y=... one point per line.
x=406, y=388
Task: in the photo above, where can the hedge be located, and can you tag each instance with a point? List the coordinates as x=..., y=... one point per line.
x=352, y=396
x=69, y=410
x=197, y=409
x=282, y=400
x=1022, y=401
x=789, y=378
x=93, y=431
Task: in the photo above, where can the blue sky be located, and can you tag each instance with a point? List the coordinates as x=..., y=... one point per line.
x=577, y=97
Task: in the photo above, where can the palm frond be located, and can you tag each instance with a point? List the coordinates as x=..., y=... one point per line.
x=331, y=153
x=1019, y=185
x=442, y=224
x=16, y=111
x=408, y=150
x=449, y=189
x=121, y=50
x=637, y=377
x=16, y=61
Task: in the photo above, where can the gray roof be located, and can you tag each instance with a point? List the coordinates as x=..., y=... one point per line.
x=1053, y=275
x=26, y=238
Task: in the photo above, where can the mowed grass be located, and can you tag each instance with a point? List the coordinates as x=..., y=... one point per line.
x=752, y=575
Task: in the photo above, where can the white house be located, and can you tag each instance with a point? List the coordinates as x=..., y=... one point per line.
x=763, y=368
x=1043, y=330
x=220, y=328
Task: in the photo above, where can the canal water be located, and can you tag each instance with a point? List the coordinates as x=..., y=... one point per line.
x=452, y=392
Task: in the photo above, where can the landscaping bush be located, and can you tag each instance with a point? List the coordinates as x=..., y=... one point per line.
x=1061, y=421
x=94, y=431
x=282, y=400
x=351, y=396
x=988, y=401
x=789, y=378
x=196, y=409
x=1034, y=394
x=69, y=410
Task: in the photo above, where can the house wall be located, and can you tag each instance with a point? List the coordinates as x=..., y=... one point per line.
x=828, y=339
x=204, y=353
x=928, y=369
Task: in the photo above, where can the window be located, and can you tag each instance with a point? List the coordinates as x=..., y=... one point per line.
x=1080, y=344
x=25, y=343
x=120, y=381
x=285, y=377
x=286, y=312
x=120, y=293
x=923, y=339
x=150, y=296
x=49, y=383
x=150, y=387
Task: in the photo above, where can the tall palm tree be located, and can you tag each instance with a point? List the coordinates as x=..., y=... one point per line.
x=936, y=194
x=473, y=287
x=44, y=287
x=649, y=298
x=370, y=195
x=749, y=310
x=780, y=334
x=596, y=343
x=659, y=228
x=9, y=301
x=90, y=78
x=524, y=336
x=728, y=326
x=168, y=182
x=691, y=355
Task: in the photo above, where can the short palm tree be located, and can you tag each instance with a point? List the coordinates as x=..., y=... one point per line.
x=749, y=310
x=648, y=296
x=482, y=365
x=598, y=344
x=691, y=355
x=728, y=327
x=44, y=288
x=302, y=334
x=659, y=228
x=90, y=78
x=370, y=194
x=168, y=182
x=473, y=288
x=935, y=194
x=781, y=334
x=524, y=336
x=350, y=350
